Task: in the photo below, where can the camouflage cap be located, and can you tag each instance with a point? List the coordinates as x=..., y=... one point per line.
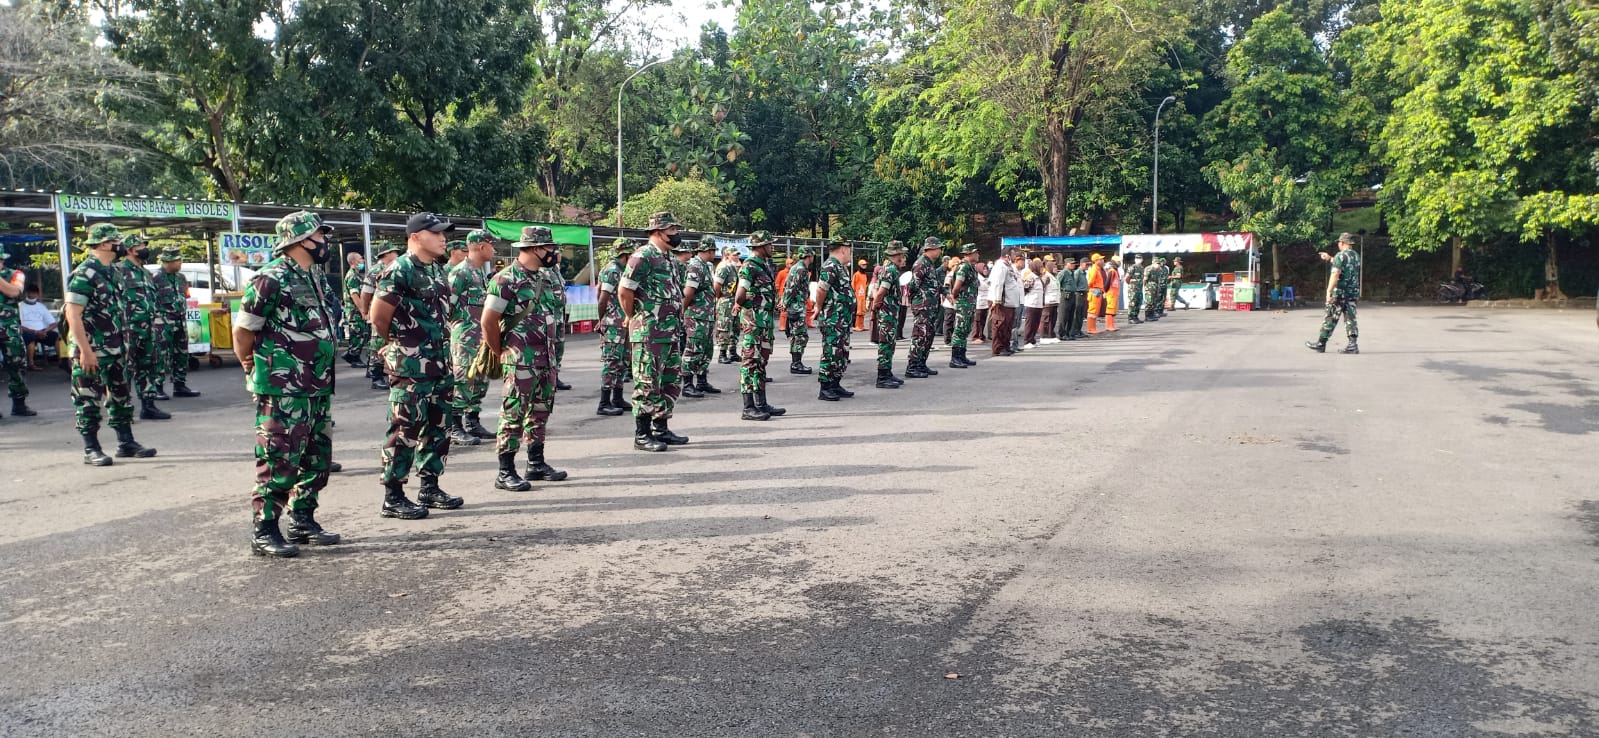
x=730, y=251
x=622, y=246
x=478, y=235
x=761, y=238
x=134, y=239
x=970, y=248
x=1346, y=237
x=931, y=243
x=707, y=243
x=535, y=236
x=661, y=221
x=838, y=241
x=298, y=226
x=383, y=247
x=683, y=247
x=171, y=254
x=895, y=248
x=456, y=245
x=100, y=233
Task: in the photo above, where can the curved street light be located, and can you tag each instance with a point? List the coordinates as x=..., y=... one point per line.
x=1154, y=209
x=619, y=89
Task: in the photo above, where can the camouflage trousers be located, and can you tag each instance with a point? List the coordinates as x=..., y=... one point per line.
x=835, y=347
x=1340, y=306
x=177, y=346
x=698, y=327
x=16, y=358
x=1152, y=293
x=884, y=325
x=292, y=453
x=965, y=312
x=613, y=355
x=357, y=332
x=417, y=437
x=757, y=330
x=1171, y=297
x=657, y=378
x=560, y=343
x=145, y=360
x=1135, y=298
x=726, y=324
x=109, y=385
x=469, y=391
x=525, y=410
x=374, y=351
x=799, y=336
x=921, y=335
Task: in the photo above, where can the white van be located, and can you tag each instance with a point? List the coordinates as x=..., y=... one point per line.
x=200, y=282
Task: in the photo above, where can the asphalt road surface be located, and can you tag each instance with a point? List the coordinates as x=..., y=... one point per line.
x=1193, y=528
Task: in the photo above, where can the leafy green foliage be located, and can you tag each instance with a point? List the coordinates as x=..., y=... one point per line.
x=695, y=202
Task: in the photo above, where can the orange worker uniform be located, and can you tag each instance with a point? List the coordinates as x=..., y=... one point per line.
x=859, y=282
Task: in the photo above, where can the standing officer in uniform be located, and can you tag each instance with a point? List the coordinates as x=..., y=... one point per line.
x=144, y=324
x=386, y=252
x=467, y=285
x=408, y=312
x=12, y=284
x=520, y=318
x=725, y=279
x=285, y=342
x=1174, y=282
x=924, y=297
x=357, y=333
x=649, y=296
x=682, y=254
x=1154, y=288
x=885, y=312
x=1343, y=293
x=835, y=310
x=756, y=301
x=963, y=293
x=552, y=275
x=1134, y=280
x=796, y=293
x=613, y=332
x=172, y=298
x=699, y=320
x=98, y=320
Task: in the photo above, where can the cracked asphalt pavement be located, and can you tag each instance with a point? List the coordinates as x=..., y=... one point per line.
x=1193, y=528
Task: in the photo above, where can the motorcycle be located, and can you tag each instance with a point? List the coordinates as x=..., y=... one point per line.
x=1456, y=292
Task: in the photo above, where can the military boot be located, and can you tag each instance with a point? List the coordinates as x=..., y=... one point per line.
x=922, y=365
x=690, y=390
x=766, y=407
x=268, y=541
x=796, y=366
x=606, y=408
x=643, y=439
x=562, y=386
x=507, y=478
x=955, y=361
x=704, y=385
x=303, y=528
x=838, y=389
x=914, y=371
x=826, y=393
x=458, y=434
x=1319, y=347
x=537, y=470
x=92, y=455
x=885, y=380
x=129, y=448
x=1134, y=319
x=161, y=393
x=431, y=495
x=475, y=427
x=397, y=505
x=751, y=412
x=1350, y=349
x=181, y=389
x=618, y=402
x=375, y=373
x=967, y=360
x=659, y=429
x=354, y=359
x=148, y=410
x=20, y=409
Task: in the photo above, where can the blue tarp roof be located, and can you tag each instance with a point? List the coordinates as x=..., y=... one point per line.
x=1113, y=241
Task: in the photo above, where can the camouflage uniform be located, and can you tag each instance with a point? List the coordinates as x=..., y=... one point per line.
x=726, y=276
x=965, y=303
x=145, y=361
x=357, y=332
x=836, y=320
x=1154, y=287
x=924, y=297
x=885, y=322
x=467, y=289
x=11, y=339
x=1133, y=283
x=417, y=361
x=172, y=302
x=98, y=289
x=796, y=292
x=527, y=353
x=654, y=329
x=369, y=287
x=699, y=317
x=552, y=275
x=613, y=328
x=1345, y=297
x=757, y=322
x=1174, y=282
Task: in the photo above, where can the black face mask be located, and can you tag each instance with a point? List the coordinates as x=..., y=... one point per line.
x=674, y=240
x=549, y=258
x=319, y=251
x=118, y=250
x=142, y=254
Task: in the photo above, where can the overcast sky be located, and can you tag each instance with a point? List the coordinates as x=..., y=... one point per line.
x=679, y=23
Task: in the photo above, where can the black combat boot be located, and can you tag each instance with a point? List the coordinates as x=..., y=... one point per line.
x=618, y=402
x=1319, y=347
x=397, y=505
x=929, y=371
x=562, y=386
x=436, y=498
x=303, y=528
x=690, y=390
x=766, y=407
x=537, y=470
x=92, y=455
x=914, y=371
x=375, y=373
x=705, y=385
x=751, y=412
x=664, y=434
x=181, y=389
x=728, y=357
x=885, y=380
x=838, y=389
x=148, y=410
x=129, y=448
x=161, y=393
x=606, y=408
x=967, y=360
x=475, y=427
x=796, y=366
x=1352, y=348
x=643, y=439
x=955, y=361
x=354, y=359
x=19, y=408
x=826, y=393
x=458, y=434
x=1134, y=319
x=508, y=479
x=268, y=541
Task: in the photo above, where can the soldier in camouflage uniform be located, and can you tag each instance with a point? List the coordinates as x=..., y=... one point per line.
x=613, y=331
x=885, y=312
x=467, y=288
x=1343, y=293
x=682, y=254
x=408, y=312
x=1154, y=288
x=756, y=300
x=386, y=252
x=650, y=298
x=699, y=320
x=963, y=293
x=12, y=284
x=796, y=293
x=924, y=297
x=835, y=311
x=357, y=332
x=285, y=341
x=1133, y=283
x=144, y=325
x=98, y=320
x=520, y=316
x=725, y=278
x=172, y=301
x=552, y=274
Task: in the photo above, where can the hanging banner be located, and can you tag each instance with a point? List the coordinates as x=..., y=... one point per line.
x=724, y=243
x=97, y=206
x=511, y=230
x=1188, y=243
x=199, y=326
x=252, y=250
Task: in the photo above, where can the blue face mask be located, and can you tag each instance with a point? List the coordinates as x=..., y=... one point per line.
x=32, y=300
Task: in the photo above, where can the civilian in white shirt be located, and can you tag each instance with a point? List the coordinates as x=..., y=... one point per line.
x=1004, y=296
x=38, y=324
x=1051, y=301
x=980, y=324
x=1033, y=300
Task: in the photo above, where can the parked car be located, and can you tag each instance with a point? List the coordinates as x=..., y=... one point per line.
x=200, y=281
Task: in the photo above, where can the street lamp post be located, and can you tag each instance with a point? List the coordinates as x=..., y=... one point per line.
x=1155, y=200
x=619, y=89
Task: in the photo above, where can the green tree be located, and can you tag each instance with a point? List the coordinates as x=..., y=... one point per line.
x=695, y=203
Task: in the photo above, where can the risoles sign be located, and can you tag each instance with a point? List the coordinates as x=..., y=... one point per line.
x=97, y=206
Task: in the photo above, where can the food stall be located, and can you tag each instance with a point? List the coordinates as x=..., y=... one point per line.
x=1221, y=281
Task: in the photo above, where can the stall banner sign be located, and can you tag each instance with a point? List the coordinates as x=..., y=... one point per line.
x=98, y=206
x=564, y=233
x=251, y=250
x=199, y=326
x=1188, y=243
x=741, y=244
